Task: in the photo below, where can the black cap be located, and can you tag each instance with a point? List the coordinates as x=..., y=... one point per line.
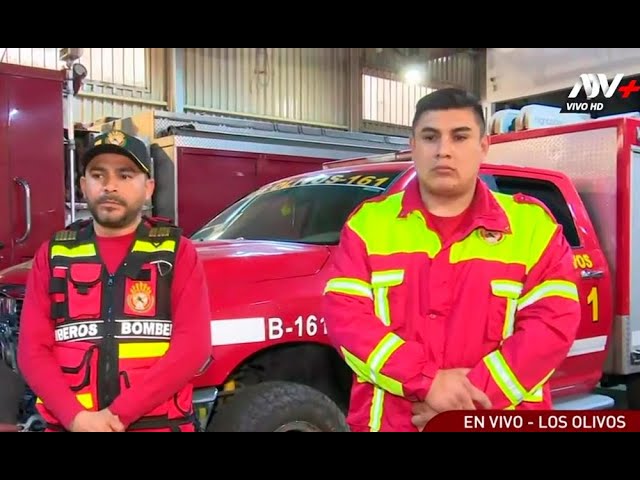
x=116, y=141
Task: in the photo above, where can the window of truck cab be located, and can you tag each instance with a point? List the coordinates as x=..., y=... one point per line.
x=309, y=209
x=545, y=191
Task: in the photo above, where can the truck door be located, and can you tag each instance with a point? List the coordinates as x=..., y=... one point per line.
x=588, y=353
x=5, y=180
x=35, y=139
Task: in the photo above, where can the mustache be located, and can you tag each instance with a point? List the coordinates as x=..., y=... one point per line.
x=111, y=199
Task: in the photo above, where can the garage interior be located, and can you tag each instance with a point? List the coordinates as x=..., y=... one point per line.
x=223, y=123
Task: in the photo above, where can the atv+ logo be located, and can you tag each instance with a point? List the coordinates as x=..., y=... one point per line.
x=594, y=86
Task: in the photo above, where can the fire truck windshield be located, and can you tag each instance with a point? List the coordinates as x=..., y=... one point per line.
x=307, y=209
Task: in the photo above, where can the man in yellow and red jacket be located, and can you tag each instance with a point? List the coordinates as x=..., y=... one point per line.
x=446, y=295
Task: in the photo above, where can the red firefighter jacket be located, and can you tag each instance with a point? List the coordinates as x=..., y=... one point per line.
x=499, y=297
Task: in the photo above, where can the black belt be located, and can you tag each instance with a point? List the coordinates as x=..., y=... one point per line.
x=161, y=421
x=145, y=423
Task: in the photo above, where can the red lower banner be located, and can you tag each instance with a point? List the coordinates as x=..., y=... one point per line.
x=535, y=421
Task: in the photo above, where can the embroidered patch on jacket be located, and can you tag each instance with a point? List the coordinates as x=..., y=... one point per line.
x=140, y=298
x=492, y=237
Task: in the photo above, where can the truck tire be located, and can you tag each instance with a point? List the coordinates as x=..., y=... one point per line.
x=277, y=406
x=633, y=392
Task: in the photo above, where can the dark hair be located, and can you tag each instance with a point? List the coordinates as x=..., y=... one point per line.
x=448, y=99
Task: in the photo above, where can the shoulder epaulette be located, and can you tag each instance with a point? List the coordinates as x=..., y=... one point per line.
x=160, y=232
x=70, y=232
x=66, y=235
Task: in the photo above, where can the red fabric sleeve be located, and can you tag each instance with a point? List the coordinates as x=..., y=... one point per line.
x=190, y=342
x=36, y=360
x=371, y=349
x=544, y=330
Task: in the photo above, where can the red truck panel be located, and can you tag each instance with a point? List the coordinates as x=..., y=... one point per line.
x=211, y=180
x=5, y=210
x=31, y=159
x=598, y=157
x=626, y=136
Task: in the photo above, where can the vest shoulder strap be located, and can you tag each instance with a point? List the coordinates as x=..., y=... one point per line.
x=161, y=228
x=70, y=232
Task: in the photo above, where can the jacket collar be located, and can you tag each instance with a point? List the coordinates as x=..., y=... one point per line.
x=484, y=211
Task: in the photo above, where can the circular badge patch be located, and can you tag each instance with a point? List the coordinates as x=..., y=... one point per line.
x=140, y=297
x=492, y=237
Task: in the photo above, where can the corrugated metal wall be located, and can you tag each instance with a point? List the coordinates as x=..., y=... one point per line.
x=388, y=103
x=387, y=100
x=121, y=81
x=463, y=70
x=316, y=86
x=307, y=85
x=136, y=86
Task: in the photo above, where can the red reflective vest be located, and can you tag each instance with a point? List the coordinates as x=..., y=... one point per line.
x=110, y=329
x=499, y=297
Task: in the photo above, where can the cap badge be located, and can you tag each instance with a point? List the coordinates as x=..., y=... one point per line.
x=116, y=138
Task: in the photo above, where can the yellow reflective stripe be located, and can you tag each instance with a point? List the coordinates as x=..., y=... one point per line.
x=504, y=377
x=380, y=355
x=381, y=282
x=381, y=306
x=550, y=288
x=509, y=318
x=389, y=344
x=370, y=370
x=142, y=349
x=511, y=290
x=86, y=250
x=506, y=288
x=85, y=399
x=509, y=384
x=148, y=247
x=362, y=370
x=526, y=221
x=387, y=278
x=383, y=233
x=537, y=394
x=349, y=286
x=376, y=410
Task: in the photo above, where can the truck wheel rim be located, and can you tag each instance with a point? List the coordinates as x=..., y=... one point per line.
x=298, y=426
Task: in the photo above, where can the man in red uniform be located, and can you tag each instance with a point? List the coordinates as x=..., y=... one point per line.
x=115, y=322
x=447, y=296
